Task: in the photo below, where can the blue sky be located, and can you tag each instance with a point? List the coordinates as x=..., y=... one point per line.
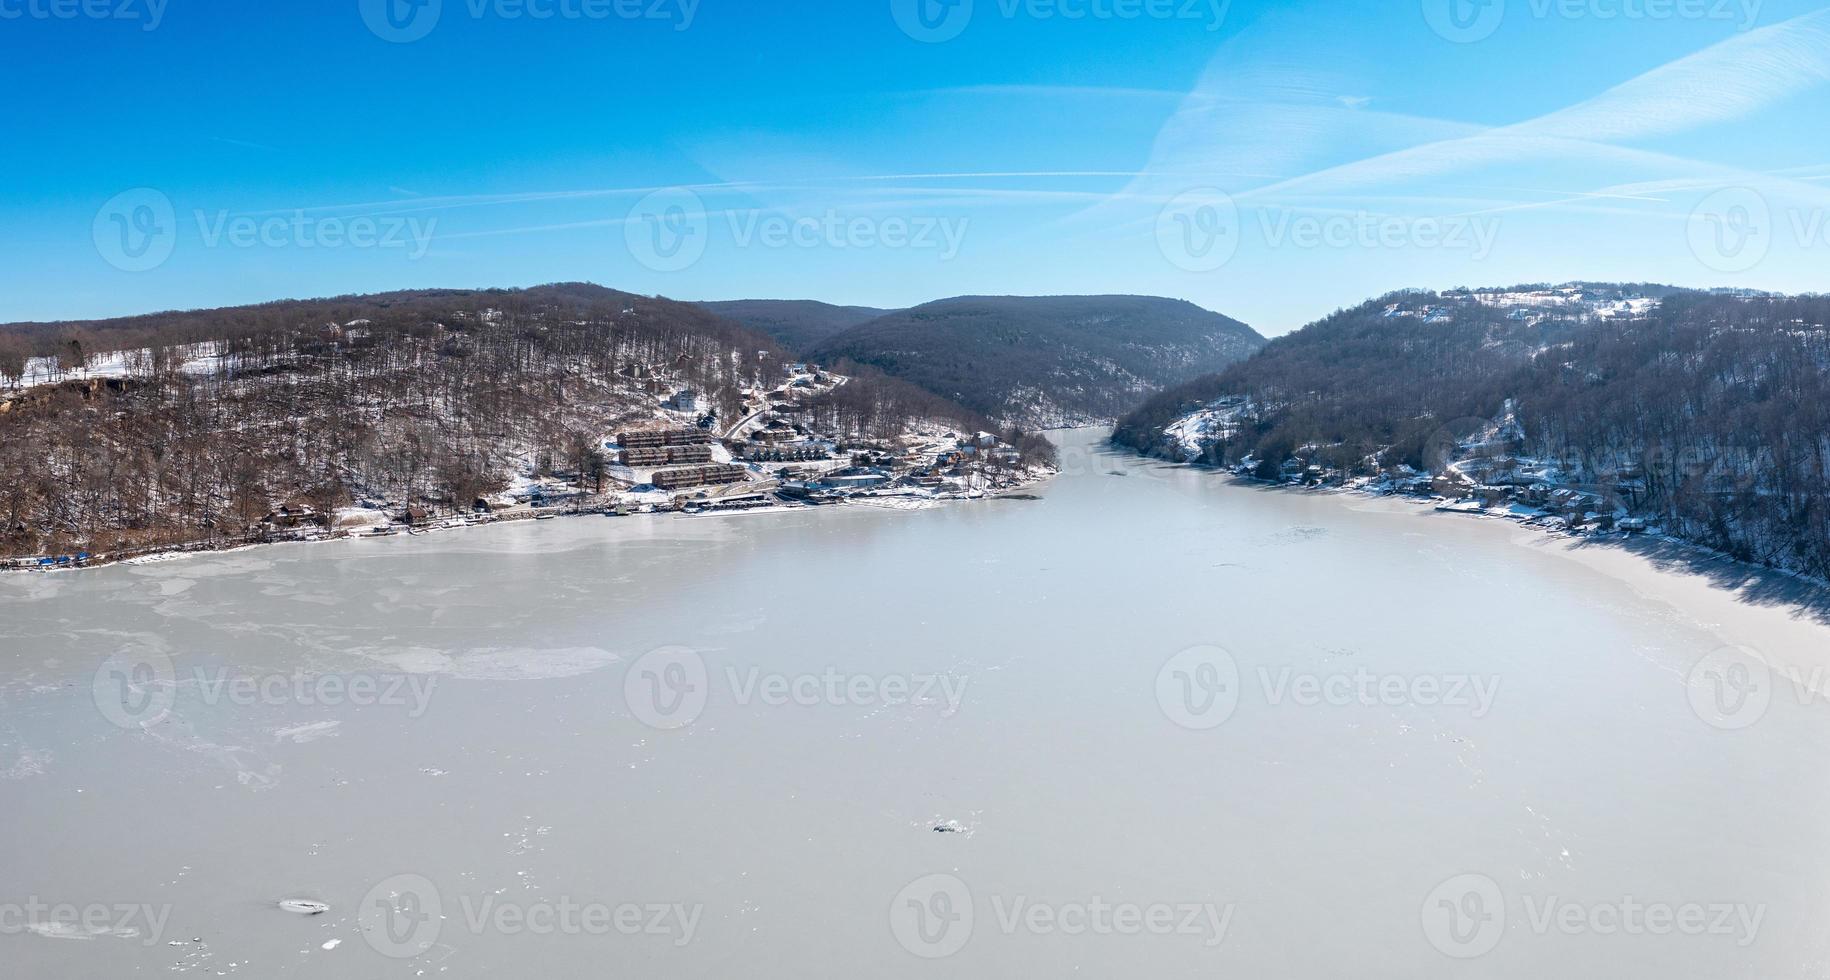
x=1273, y=161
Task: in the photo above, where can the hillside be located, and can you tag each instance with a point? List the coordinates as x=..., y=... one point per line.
x=1705, y=413
x=187, y=427
x=1046, y=361
x=797, y=324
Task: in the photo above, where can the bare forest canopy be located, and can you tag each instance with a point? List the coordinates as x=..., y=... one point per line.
x=797, y=324
x=206, y=420
x=1046, y=360
x=1720, y=400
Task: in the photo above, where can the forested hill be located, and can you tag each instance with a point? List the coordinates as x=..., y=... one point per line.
x=189, y=426
x=1046, y=361
x=797, y=324
x=1710, y=412
x=385, y=311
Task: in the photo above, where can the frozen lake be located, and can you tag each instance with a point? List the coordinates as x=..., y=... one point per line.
x=1166, y=726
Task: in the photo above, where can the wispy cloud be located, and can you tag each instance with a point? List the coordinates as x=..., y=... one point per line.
x=245, y=144
x=1725, y=82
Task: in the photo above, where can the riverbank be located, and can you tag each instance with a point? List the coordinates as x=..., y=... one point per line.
x=1668, y=550
x=1776, y=617
x=892, y=500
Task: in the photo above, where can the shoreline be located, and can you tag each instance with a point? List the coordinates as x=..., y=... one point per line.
x=1707, y=587
x=1695, y=554
x=1781, y=617
x=162, y=555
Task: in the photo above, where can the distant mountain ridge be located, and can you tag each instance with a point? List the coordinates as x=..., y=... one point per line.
x=797, y=324
x=1045, y=361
